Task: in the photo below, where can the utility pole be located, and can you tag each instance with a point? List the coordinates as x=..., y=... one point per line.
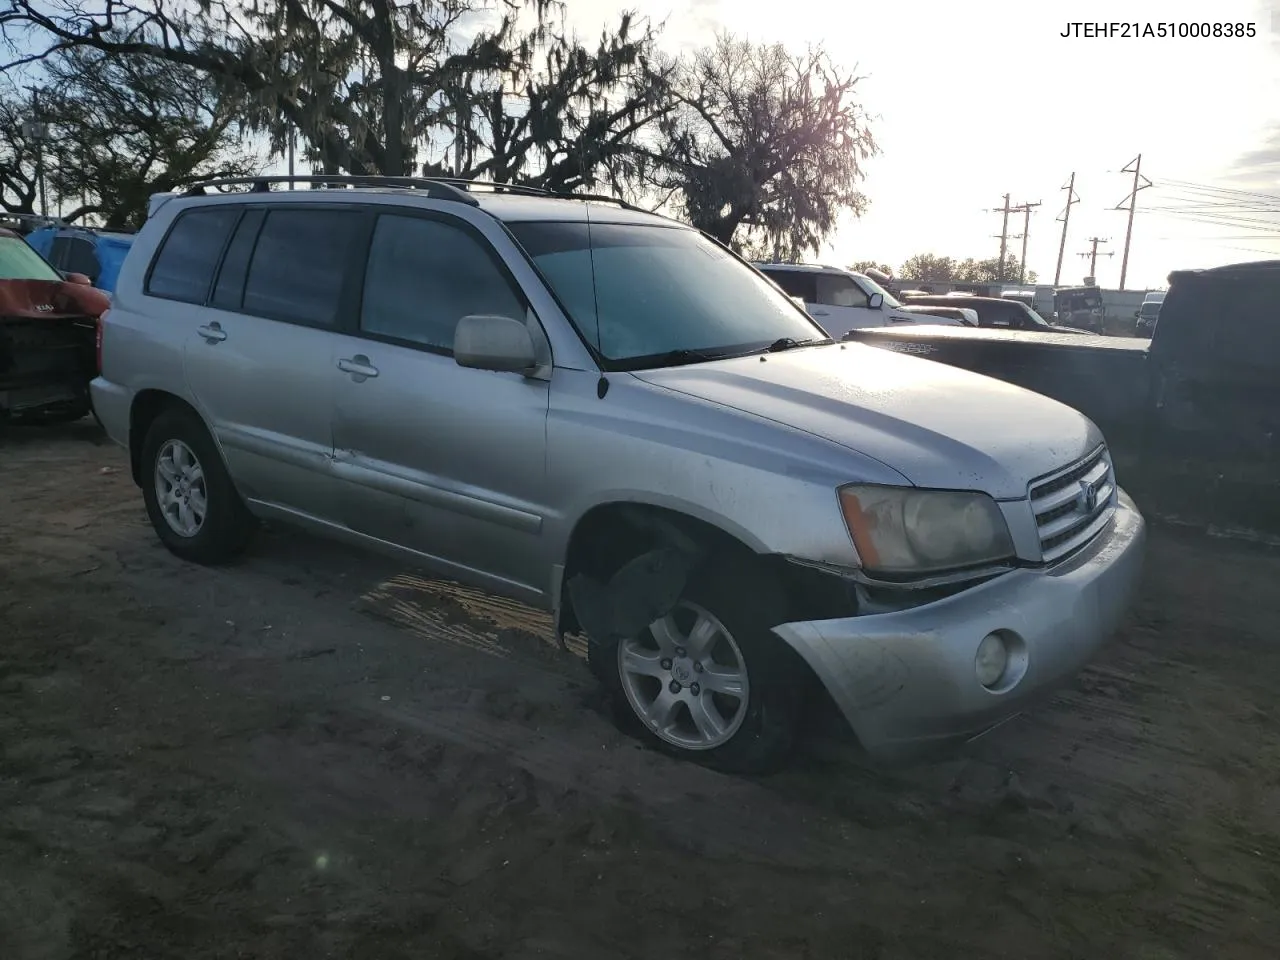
x=1132, y=200
x=1093, y=255
x=1066, y=217
x=1004, y=237
x=36, y=131
x=1025, y=209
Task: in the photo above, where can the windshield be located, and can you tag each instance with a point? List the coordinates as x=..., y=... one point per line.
x=1150, y=309
x=19, y=262
x=870, y=286
x=660, y=294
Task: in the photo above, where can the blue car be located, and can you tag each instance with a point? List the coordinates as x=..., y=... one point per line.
x=98, y=254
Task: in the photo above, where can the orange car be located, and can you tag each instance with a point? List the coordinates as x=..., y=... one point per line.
x=48, y=327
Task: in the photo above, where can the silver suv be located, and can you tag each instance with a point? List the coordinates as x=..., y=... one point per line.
x=603, y=413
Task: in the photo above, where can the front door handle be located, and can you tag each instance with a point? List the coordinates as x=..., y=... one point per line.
x=213, y=333
x=818, y=313
x=359, y=367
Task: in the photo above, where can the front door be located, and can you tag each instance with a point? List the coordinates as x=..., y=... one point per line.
x=445, y=460
x=842, y=305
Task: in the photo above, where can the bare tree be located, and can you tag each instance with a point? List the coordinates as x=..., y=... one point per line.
x=391, y=86
x=127, y=127
x=765, y=149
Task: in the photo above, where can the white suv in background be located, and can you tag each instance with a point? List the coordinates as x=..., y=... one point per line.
x=842, y=300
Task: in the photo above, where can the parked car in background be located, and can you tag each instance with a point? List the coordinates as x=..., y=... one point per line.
x=601, y=412
x=1005, y=313
x=963, y=315
x=1192, y=413
x=47, y=334
x=840, y=300
x=1081, y=308
x=97, y=254
x=1148, y=313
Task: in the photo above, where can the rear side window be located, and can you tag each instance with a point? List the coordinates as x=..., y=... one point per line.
x=228, y=293
x=301, y=263
x=183, y=269
x=1244, y=321
x=58, y=252
x=424, y=276
x=82, y=258
x=795, y=283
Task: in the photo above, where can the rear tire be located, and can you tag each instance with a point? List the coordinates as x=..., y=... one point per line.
x=190, y=499
x=685, y=704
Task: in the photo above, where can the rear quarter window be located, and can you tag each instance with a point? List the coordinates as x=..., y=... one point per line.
x=184, y=265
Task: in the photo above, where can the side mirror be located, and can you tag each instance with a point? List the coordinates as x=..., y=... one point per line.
x=79, y=278
x=494, y=343
x=876, y=301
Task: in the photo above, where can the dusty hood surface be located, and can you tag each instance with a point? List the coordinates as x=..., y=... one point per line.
x=937, y=425
x=50, y=298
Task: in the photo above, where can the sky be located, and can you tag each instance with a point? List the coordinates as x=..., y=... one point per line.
x=974, y=100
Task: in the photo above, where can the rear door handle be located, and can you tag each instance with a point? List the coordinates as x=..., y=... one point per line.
x=358, y=366
x=213, y=333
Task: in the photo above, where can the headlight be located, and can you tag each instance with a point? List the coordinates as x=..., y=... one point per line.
x=901, y=531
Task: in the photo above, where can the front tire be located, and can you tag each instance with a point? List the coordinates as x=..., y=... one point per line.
x=710, y=682
x=191, y=502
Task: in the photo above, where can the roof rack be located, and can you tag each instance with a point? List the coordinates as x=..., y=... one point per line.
x=438, y=188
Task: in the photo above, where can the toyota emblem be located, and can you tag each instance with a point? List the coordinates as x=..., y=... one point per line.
x=1088, y=495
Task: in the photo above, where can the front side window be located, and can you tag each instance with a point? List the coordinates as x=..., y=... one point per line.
x=871, y=287
x=300, y=265
x=651, y=295
x=837, y=291
x=423, y=276
x=19, y=262
x=183, y=269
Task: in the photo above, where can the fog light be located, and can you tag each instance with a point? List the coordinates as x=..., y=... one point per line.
x=992, y=659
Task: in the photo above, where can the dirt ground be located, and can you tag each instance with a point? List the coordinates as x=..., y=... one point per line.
x=318, y=754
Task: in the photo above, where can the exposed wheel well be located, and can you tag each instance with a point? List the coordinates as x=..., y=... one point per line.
x=609, y=535
x=148, y=405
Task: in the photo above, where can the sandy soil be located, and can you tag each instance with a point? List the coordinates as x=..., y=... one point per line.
x=317, y=754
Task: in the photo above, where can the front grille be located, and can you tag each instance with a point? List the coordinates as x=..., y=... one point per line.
x=1066, y=516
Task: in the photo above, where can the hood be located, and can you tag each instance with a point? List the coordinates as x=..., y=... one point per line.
x=937, y=425
x=48, y=299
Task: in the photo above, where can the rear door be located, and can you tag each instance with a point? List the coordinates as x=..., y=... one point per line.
x=260, y=364
x=445, y=460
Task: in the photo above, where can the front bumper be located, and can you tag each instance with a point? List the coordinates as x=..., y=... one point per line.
x=905, y=681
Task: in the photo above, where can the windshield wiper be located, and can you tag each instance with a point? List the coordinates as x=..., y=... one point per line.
x=790, y=343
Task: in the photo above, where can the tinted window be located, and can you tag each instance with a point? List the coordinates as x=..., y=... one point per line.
x=300, y=264
x=58, y=252
x=1246, y=321
x=183, y=269
x=795, y=283
x=653, y=295
x=837, y=291
x=82, y=258
x=228, y=292
x=424, y=276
